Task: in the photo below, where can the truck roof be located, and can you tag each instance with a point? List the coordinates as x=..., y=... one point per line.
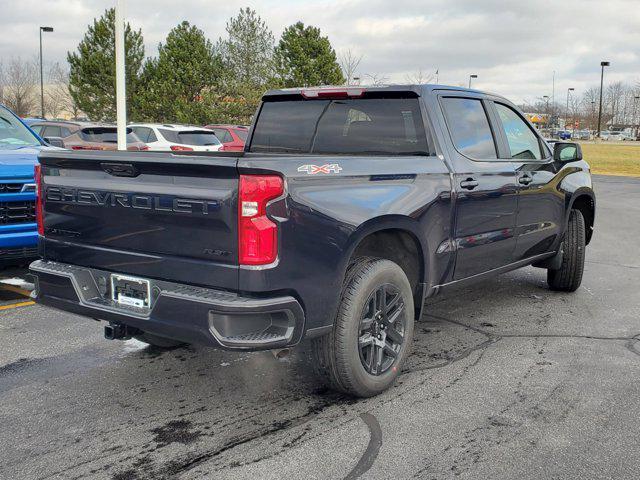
x=418, y=89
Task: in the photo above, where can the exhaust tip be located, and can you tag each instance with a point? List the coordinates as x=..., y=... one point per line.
x=281, y=354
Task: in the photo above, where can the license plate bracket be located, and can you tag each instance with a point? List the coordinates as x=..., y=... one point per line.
x=130, y=291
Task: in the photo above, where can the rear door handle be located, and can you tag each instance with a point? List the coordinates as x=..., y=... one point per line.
x=469, y=183
x=525, y=179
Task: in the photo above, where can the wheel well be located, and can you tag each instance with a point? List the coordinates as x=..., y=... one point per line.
x=400, y=247
x=586, y=205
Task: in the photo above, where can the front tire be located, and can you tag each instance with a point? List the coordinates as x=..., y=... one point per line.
x=569, y=276
x=372, y=332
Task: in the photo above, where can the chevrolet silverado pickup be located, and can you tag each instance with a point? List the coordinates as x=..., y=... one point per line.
x=348, y=208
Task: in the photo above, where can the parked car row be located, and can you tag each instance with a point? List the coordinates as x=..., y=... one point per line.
x=610, y=136
x=606, y=135
x=141, y=136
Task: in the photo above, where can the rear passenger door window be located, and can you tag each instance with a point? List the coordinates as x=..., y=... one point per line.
x=52, y=131
x=469, y=127
x=523, y=143
x=152, y=136
x=145, y=134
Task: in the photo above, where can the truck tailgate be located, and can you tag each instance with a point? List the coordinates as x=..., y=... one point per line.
x=157, y=215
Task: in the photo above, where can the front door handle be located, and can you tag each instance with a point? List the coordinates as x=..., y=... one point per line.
x=525, y=179
x=469, y=183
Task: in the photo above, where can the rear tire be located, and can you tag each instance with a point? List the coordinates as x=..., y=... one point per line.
x=569, y=276
x=372, y=333
x=157, y=341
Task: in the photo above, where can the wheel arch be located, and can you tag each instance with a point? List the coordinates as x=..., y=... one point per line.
x=395, y=238
x=584, y=200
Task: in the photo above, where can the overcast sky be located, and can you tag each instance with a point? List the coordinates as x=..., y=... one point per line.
x=513, y=46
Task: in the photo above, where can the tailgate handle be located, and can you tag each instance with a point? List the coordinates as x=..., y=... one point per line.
x=120, y=169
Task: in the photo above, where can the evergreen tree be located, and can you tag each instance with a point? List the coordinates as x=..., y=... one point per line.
x=304, y=58
x=175, y=82
x=92, y=74
x=247, y=53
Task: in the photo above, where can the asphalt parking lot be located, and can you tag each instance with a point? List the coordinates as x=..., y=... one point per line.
x=507, y=380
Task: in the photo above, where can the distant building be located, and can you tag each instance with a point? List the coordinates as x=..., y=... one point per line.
x=539, y=120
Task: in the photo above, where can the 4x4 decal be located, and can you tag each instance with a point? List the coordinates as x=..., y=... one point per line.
x=327, y=168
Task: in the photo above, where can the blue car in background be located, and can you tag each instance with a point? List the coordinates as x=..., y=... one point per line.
x=19, y=148
x=562, y=134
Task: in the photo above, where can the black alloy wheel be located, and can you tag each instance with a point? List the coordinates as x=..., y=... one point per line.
x=381, y=329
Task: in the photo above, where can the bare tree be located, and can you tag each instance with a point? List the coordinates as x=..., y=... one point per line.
x=376, y=78
x=615, y=100
x=20, y=86
x=349, y=63
x=58, y=99
x=419, y=77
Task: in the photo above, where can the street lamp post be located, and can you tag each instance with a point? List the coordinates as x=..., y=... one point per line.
x=546, y=109
x=602, y=65
x=635, y=114
x=565, y=122
x=42, y=29
x=470, y=77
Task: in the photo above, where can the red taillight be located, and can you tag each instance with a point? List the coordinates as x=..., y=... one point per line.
x=221, y=148
x=345, y=92
x=39, y=212
x=180, y=148
x=257, y=233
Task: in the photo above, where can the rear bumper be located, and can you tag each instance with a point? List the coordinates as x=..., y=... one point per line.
x=181, y=312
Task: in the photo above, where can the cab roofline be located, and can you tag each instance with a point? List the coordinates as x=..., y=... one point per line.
x=418, y=89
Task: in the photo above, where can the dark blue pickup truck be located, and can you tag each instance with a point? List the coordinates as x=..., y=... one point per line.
x=347, y=209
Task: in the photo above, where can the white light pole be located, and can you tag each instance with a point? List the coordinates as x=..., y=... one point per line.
x=121, y=95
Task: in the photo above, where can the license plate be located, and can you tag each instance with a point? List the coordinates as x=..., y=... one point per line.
x=130, y=291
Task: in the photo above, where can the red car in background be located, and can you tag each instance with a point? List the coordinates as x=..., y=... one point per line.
x=233, y=137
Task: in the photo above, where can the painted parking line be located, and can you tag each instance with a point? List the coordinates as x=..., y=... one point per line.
x=16, y=305
x=14, y=289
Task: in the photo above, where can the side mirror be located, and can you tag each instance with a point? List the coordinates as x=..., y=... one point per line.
x=567, y=152
x=54, y=141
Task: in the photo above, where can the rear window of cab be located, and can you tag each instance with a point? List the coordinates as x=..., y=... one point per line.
x=384, y=126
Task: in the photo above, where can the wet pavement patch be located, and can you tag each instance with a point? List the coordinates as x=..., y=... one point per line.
x=19, y=365
x=179, y=431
